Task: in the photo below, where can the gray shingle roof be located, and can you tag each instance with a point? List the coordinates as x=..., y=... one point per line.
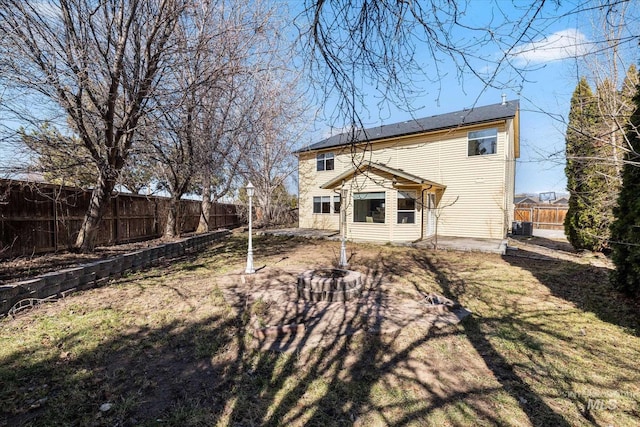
x=471, y=116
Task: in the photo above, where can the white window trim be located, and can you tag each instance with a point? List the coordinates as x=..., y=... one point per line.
x=330, y=155
x=481, y=138
x=412, y=194
x=313, y=204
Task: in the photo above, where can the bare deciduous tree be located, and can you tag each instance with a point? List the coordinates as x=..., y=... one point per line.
x=95, y=63
x=278, y=125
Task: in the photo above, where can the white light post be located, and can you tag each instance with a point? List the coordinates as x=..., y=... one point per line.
x=343, y=219
x=250, y=269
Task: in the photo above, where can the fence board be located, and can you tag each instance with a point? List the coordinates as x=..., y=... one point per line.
x=37, y=218
x=542, y=217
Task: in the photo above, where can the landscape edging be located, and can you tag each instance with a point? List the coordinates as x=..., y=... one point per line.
x=85, y=276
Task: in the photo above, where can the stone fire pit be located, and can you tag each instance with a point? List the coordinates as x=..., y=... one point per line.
x=329, y=285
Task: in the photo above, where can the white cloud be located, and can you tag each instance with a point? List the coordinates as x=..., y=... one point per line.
x=570, y=43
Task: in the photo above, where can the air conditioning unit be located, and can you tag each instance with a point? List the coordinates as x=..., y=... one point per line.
x=527, y=228
x=516, y=228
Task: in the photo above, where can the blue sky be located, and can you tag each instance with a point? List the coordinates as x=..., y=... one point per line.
x=555, y=59
x=544, y=96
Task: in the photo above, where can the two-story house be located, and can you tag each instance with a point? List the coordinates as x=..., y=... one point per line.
x=453, y=174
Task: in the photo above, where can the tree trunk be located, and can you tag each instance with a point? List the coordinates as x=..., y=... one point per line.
x=171, y=229
x=87, y=236
x=205, y=211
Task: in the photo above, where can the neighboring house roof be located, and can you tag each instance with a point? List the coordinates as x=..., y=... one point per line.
x=380, y=168
x=561, y=201
x=526, y=199
x=456, y=119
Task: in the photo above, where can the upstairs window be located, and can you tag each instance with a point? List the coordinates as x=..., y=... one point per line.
x=325, y=161
x=483, y=142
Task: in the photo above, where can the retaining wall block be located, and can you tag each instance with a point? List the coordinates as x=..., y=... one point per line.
x=169, y=250
x=5, y=305
x=52, y=282
x=138, y=260
x=173, y=249
x=30, y=288
x=8, y=292
x=104, y=269
x=71, y=277
x=127, y=260
x=153, y=253
x=164, y=250
x=87, y=280
x=91, y=267
x=117, y=265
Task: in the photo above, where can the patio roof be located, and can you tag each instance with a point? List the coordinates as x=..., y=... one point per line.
x=380, y=169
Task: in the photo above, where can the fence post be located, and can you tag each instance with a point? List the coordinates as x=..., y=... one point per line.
x=54, y=224
x=116, y=219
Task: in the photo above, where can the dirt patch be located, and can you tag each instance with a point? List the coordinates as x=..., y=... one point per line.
x=270, y=300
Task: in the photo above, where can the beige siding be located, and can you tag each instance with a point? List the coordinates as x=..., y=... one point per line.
x=510, y=178
x=309, y=187
x=483, y=185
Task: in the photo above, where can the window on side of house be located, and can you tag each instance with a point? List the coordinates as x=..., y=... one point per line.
x=483, y=142
x=324, y=162
x=336, y=204
x=406, y=207
x=369, y=207
x=322, y=205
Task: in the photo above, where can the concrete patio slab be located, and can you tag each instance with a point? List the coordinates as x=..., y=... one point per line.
x=465, y=244
x=550, y=234
x=309, y=233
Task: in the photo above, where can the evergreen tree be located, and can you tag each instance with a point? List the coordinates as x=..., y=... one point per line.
x=61, y=159
x=584, y=217
x=625, y=231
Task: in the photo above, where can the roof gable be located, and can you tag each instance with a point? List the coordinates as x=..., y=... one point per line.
x=456, y=119
x=380, y=169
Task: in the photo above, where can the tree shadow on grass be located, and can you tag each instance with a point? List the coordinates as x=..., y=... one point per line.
x=140, y=374
x=587, y=286
x=536, y=409
x=352, y=376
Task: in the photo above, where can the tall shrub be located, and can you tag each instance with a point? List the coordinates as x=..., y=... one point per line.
x=584, y=217
x=625, y=230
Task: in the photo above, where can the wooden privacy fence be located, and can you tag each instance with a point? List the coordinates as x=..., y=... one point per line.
x=38, y=218
x=542, y=217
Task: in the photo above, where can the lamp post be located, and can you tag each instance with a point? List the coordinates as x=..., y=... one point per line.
x=250, y=269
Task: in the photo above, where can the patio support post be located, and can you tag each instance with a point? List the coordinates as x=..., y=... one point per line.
x=250, y=269
x=343, y=219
